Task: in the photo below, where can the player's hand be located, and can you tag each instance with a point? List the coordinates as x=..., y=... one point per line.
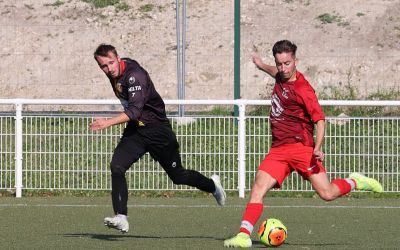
x=319, y=155
x=98, y=124
x=257, y=60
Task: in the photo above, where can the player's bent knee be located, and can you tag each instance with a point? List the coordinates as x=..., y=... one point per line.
x=326, y=195
x=117, y=170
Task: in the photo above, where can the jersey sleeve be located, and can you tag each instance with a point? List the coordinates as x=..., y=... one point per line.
x=306, y=96
x=136, y=95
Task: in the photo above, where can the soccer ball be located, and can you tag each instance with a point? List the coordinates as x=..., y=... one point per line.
x=272, y=232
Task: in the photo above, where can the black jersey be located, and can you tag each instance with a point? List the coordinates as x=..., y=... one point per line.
x=137, y=94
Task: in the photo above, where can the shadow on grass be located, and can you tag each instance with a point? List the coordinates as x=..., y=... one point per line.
x=115, y=237
x=258, y=244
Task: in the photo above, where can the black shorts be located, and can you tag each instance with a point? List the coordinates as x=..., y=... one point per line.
x=157, y=139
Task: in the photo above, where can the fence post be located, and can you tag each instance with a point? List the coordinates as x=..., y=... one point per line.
x=18, y=150
x=242, y=149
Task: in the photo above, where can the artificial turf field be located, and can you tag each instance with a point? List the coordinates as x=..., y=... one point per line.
x=195, y=223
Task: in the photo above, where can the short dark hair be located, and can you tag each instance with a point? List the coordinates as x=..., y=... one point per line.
x=103, y=50
x=284, y=46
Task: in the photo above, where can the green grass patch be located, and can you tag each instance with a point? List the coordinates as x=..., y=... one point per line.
x=57, y=3
x=102, y=3
x=327, y=18
x=122, y=7
x=147, y=8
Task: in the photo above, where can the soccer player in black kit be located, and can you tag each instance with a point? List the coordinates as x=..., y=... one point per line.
x=147, y=130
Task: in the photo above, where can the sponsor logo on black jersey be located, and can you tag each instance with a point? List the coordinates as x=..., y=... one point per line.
x=132, y=80
x=134, y=88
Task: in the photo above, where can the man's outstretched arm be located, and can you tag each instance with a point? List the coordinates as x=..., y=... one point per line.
x=102, y=123
x=269, y=69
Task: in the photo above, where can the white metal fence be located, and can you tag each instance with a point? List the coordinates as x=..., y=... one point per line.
x=58, y=152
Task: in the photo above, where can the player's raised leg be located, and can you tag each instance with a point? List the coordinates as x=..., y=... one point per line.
x=219, y=193
x=182, y=176
x=165, y=148
x=338, y=187
x=365, y=183
x=330, y=190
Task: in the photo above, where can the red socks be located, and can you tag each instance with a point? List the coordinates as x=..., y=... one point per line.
x=250, y=217
x=344, y=185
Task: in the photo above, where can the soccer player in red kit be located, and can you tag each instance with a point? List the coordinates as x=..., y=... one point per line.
x=294, y=113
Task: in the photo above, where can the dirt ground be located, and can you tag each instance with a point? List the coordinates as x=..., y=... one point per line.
x=47, y=45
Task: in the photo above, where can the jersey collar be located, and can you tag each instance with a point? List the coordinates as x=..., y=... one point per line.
x=121, y=67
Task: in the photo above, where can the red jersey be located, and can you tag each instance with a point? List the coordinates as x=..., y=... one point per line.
x=294, y=111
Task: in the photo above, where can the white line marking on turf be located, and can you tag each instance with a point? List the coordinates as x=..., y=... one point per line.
x=198, y=206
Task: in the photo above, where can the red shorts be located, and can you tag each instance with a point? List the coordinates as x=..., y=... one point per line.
x=283, y=160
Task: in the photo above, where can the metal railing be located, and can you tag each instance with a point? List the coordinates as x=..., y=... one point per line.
x=59, y=152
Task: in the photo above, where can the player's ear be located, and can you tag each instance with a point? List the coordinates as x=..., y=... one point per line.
x=296, y=61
